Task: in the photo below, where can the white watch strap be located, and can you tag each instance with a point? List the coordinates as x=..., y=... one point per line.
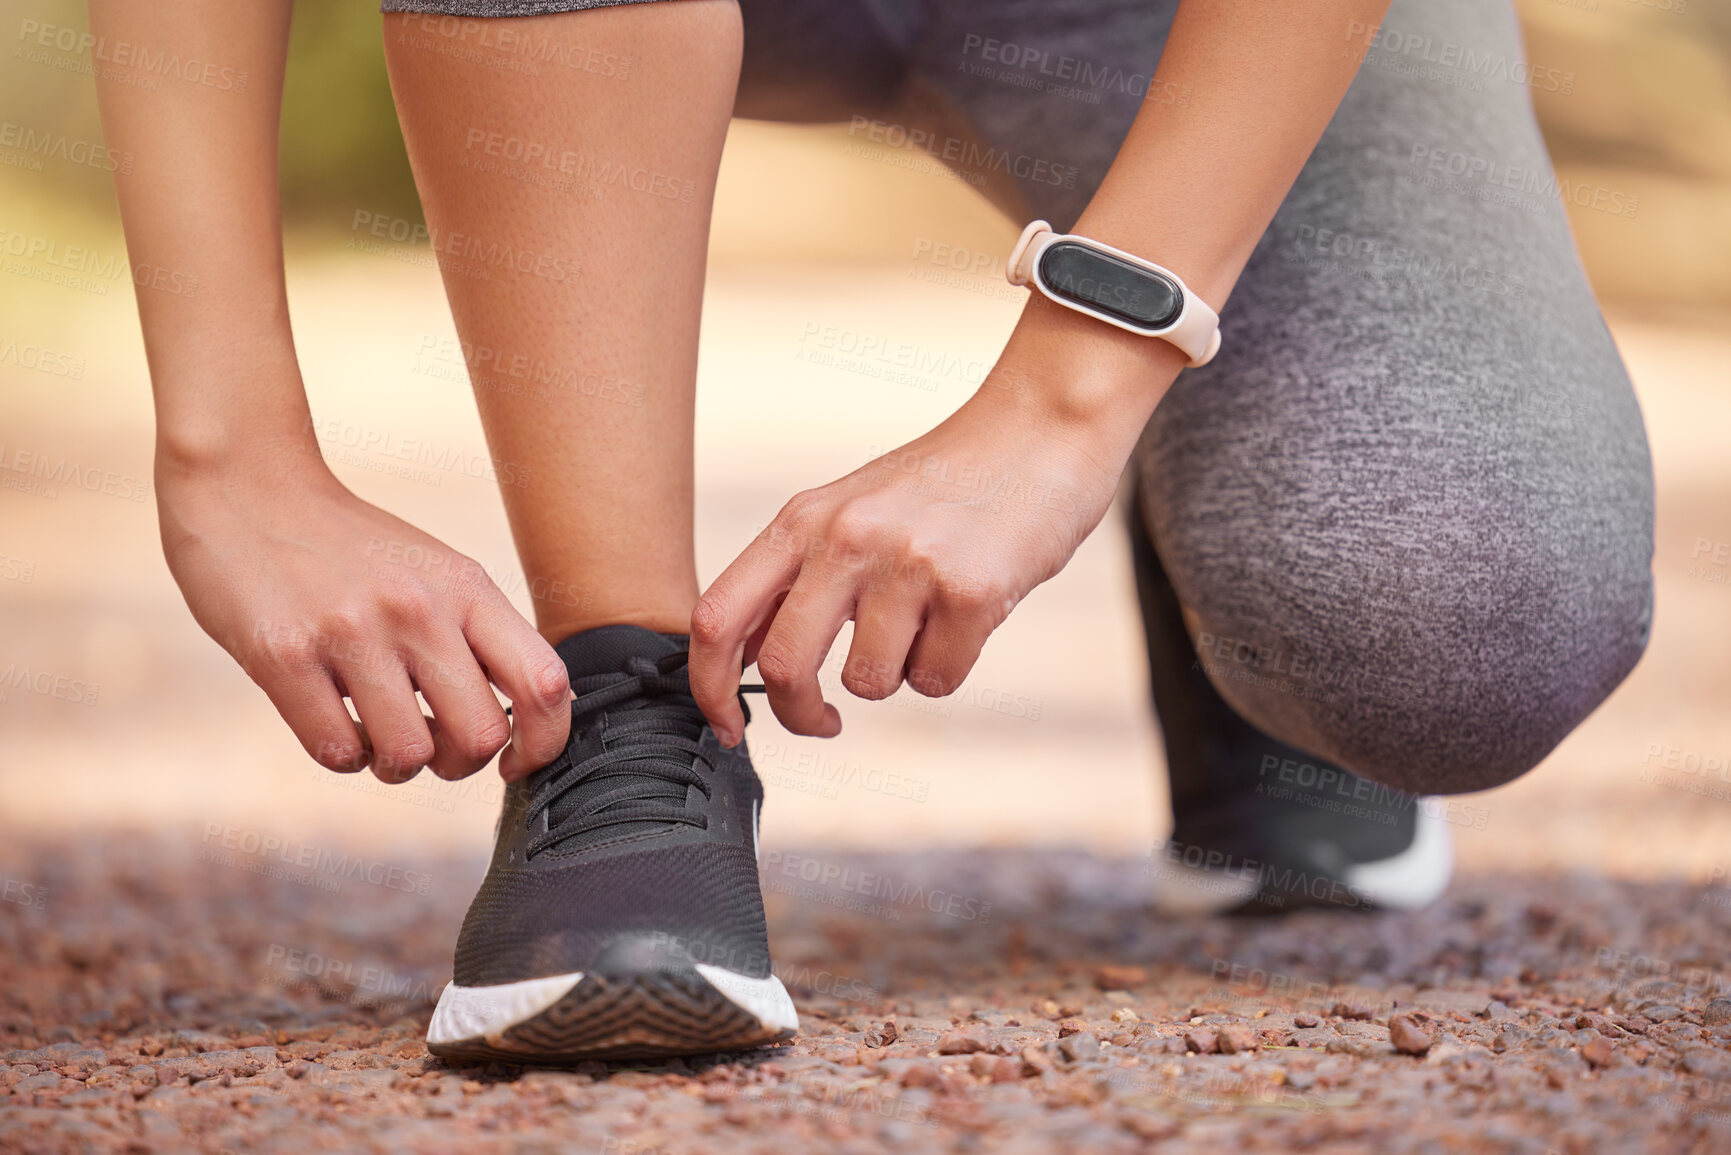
x=1196, y=332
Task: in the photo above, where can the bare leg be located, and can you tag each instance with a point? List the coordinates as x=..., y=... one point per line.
x=570, y=211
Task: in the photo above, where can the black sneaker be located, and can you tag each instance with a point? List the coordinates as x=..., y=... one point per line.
x=621, y=916
x=1260, y=826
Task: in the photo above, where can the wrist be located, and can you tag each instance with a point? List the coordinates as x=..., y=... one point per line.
x=1208, y=260
x=213, y=451
x=216, y=419
x=1081, y=377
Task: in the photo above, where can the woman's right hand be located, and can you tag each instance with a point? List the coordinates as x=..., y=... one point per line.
x=317, y=594
x=321, y=596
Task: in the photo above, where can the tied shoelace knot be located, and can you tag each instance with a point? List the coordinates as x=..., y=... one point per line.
x=652, y=731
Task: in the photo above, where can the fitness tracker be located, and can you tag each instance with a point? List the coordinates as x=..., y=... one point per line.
x=1117, y=287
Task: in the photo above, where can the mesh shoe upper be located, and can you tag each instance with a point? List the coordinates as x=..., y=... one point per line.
x=700, y=901
x=642, y=830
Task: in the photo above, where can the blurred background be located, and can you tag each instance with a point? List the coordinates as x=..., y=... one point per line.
x=146, y=723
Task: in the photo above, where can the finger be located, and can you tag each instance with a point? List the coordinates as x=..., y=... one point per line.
x=885, y=625
x=523, y=665
x=739, y=605
x=800, y=637
x=397, y=730
x=469, y=725
x=754, y=643
x=310, y=703
x=945, y=652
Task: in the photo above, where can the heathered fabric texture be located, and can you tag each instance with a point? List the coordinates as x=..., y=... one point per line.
x=1409, y=506
x=499, y=7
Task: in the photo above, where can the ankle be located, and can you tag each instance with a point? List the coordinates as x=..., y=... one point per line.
x=663, y=620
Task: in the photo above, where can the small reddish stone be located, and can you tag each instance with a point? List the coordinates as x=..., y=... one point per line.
x=1407, y=1036
x=1236, y=1040
x=1597, y=1051
x=1119, y=978
x=1035, y=1061
x=921, y=1075
x=1201, y=1040
x=964, y=1041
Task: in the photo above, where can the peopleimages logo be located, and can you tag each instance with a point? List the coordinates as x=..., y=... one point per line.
x=59, y=146
x=1407, y=52
x=41, y=468
x=509, y=39
x=125, y=54
x=335, y=433
x=465, y=246
x=361, y=983
x=1377, y=259
x=27, y=894
x=965, y=153
x=1273, y=884
x=830, y=774
x=305, y=856
x=40, y=359
x=875, y=886
x=569, y=162
x=877, y=355
x=1044, y=62
x=1484, y=177
x=486, y=362
x=74, y=258
x=48, y=684
x=1688, y=771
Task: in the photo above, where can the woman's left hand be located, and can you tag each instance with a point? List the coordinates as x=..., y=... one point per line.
x=926, y=549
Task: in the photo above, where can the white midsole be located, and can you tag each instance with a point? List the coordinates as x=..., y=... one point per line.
x=487, y=1012
x=1417, y=876
x=1192, y=890
x=468, y=1013
x=765, y=998
x=1414, y=878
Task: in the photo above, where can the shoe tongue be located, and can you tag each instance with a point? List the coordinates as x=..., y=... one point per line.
x=606, y=650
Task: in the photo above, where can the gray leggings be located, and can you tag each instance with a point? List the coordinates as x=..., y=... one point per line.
x=1409, y=507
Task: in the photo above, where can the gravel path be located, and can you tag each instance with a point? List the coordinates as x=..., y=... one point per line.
x=154, y=999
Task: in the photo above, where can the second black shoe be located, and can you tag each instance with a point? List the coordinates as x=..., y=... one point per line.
x=621, y=915
x=1260, y=826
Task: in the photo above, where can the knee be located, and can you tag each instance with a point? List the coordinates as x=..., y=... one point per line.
x=1459, y=687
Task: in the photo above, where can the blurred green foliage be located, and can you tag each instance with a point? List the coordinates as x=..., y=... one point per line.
x=341, y=148
x=1654, y=97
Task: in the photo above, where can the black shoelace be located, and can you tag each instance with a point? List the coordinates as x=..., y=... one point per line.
x=649, y=775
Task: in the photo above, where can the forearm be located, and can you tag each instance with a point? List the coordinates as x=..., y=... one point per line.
x=1193, y=188
x=201, y=216
x=1198, y=180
